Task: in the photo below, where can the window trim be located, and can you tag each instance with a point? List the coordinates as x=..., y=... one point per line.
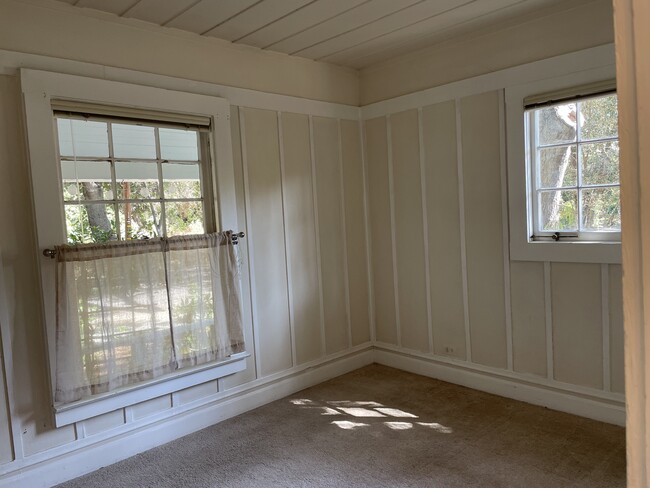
x=522, y=246
x=40, y=89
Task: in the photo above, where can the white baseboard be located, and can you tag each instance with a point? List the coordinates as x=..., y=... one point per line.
x=581, y=404
x=81, y=461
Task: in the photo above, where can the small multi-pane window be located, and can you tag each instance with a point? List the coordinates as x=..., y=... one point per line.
x=126, y=179
x=574, y=164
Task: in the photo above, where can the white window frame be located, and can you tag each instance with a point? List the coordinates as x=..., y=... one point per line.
x=520, y=187
x=40, y=89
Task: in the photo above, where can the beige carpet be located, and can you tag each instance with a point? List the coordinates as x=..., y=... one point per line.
x=380, y=427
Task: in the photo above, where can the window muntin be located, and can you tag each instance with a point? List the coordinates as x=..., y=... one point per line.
x=574, y=165
x=144, y=179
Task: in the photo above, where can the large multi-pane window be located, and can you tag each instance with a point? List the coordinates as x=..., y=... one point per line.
x=128, y=179
x=574, y=169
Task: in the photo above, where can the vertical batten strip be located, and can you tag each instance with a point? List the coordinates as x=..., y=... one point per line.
x=425, y=229
x=366, y=216
x=548, y=309
x=346, y=271
x=6, y=366
x=317, y=230
x=607, y=363
x=506, y=230
x=287, y=249
x=251, y=257
x=391, y=202
x=463, y=246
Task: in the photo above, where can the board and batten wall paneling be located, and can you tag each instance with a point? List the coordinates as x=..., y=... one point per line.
x=577, y=324
x=301, y=236
x=249, y=374
x=409, y=239
x=380, y=230
x=616, y=338
x=261, y=156
x=481, y=159
x=443, y=229
x=355, y=231
x=332, y=244
x=528, y=317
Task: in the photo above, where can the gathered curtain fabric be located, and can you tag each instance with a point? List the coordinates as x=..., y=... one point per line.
x=132, y=311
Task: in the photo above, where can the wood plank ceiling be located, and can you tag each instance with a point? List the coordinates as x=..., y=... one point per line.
x=354, y=33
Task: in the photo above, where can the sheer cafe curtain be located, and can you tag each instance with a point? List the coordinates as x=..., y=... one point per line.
x=132, y=311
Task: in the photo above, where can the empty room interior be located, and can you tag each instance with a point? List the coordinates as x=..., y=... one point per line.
x=329, y=243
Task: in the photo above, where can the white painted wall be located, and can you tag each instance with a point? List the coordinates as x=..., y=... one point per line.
x=562, y=28
x=55, y=30
x=446, y=291
x=293, y=174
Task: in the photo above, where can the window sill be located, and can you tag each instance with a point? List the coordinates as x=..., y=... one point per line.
x=107, y=402
x=567, y=251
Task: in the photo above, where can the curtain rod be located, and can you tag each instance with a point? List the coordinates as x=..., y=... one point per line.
x=234, y=237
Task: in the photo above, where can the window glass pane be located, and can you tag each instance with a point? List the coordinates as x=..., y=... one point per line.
x=136, y=180
x=179, y=144
x=601, y=209
x=558, y=210
x=556, y=124
x=140, y=220
x=599, y=163
x=93, y=222
x=134, y=141
x=181, y=180
x=82, y=138
x=184, y=218
x=86, y=180
x=599, y=117
x=558, y=167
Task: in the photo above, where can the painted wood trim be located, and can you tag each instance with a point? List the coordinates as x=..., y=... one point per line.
x=393, y=237
x=366, y=215
x=7, y=367
x=344, y=237
x=505, y=236
x=548, y=313
x=287, y=244
x=312, y=155
x=607, y=362
x=425, y=230
x=463, y=243
x=250, y=233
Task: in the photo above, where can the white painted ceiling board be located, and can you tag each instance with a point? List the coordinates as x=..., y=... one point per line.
x=207, y=14
x=426, y=32
x=113, y=6
x=256, y=17
x=158, y=11
x=298, y=21
x=354, y=33
x=352, y=19
x=390, y=23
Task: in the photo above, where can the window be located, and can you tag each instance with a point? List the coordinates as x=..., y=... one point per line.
x=113, y=161
x=125, y=179
x=574, y=165
x=561, y=140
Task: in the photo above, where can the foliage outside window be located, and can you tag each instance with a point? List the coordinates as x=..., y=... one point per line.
x=126, y=180
x=574, y=164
